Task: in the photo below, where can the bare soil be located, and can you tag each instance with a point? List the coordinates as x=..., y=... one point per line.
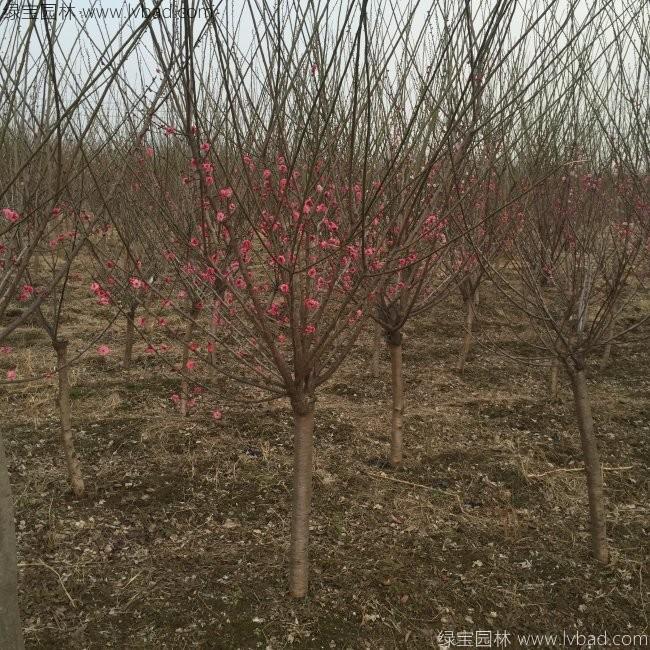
x=181, y=539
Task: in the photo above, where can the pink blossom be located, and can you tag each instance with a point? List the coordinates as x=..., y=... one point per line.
x=10, y=215
x=217, y=414
x=355, y=316
x=225, y=193
x=312, y=304
x=284, y=288
x=11, y=375
x=103, y=350
x=26, y=293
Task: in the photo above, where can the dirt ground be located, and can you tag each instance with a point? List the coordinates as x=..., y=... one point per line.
x=181, y=538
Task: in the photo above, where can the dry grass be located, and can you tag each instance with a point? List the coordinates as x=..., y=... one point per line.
x=181, y=540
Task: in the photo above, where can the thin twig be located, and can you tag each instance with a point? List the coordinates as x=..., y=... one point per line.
x=577, y=469
x=398, y=480
x=58, y=575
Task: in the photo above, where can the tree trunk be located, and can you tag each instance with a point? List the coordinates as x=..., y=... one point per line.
x=376, y=350
x=128, y=345
x=605, y=359
x=303, y=445
x=11, y=631
x=552, y=379
x=186, y=355
x=470, y=306
x=63, y=401
x=397, y=386
x=592, y=466
x=213, y=340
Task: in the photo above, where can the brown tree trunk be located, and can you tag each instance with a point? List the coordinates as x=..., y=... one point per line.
x=303, y=444
x=376, y=350
x=63, y=401
x=213, y=354
x=470, y=306
x=11, y=631
x=186, y=355
x=128, y=344
x=397, y=386
x=552, y=379
x=592, y=466
x=606, y=358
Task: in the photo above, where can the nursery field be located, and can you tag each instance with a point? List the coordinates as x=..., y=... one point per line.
x=325, y=324
x=181, y=538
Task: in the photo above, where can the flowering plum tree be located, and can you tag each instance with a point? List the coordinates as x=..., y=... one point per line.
x=288, y=229
x=599, y=230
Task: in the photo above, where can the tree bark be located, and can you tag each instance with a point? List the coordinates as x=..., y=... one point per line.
x=397, y=386
x=128, y=344
x=186, y=355
x=606, y=357
x=593, y=469
x=11, y=631
x=376, y=351
x=470, y=306
x=303, y=445
x=63, y=401
x=213, y=339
